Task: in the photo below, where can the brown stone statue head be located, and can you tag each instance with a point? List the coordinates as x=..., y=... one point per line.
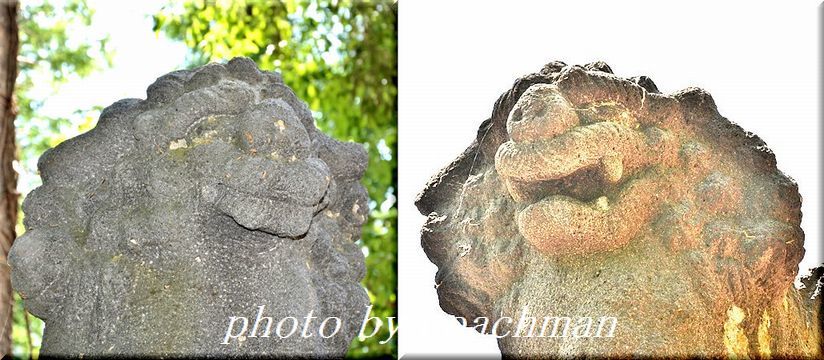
x=587, y=196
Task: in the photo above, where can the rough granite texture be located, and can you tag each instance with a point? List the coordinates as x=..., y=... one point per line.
x=215, y=195
x=588, y=195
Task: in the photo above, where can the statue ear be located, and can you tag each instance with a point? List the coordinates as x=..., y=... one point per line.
x=38, y=261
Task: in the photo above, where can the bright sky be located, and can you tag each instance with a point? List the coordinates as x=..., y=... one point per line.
x=140, y=56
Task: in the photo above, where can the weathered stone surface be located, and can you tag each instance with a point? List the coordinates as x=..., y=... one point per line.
x=215, y=195
x=588, y=195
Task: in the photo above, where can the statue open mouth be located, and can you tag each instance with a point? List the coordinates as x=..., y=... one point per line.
x=602, y=143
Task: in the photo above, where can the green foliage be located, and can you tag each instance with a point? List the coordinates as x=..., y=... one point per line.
x=51, y=53
x=339, y=56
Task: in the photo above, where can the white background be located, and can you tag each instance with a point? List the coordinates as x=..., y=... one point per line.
x=759, y=60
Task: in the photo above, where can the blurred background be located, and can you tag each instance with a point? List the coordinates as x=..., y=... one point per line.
x=340, y=56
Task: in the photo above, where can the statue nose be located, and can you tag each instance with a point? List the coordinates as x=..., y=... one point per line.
x=541, y=113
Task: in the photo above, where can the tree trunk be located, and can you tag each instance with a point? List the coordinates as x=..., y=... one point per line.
x=8, y=177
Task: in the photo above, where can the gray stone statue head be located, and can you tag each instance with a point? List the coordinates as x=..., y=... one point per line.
x=211, y=198
x=597, y=200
